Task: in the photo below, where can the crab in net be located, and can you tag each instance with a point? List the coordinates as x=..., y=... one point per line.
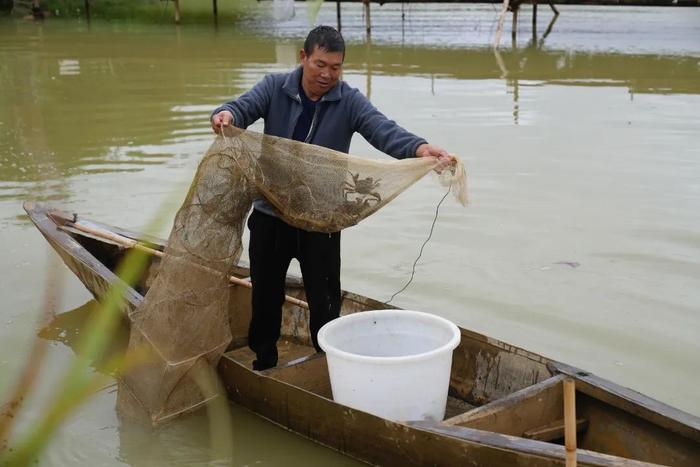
x=363, y=189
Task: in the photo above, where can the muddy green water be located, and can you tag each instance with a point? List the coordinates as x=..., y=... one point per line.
x=582, y=240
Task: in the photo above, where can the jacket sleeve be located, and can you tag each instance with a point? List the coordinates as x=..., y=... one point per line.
x=381, y=132
x=251, y=105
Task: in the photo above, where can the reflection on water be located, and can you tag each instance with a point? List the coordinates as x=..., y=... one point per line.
x=582, y=148
x=184, y=442
x=66, y=328
x=111, y=100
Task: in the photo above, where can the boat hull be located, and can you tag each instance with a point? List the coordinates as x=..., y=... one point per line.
x=500, y=395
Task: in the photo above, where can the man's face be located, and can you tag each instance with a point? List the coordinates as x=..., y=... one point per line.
x=321, y=71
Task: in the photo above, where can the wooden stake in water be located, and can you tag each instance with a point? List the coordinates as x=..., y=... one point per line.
x=368, y=22
x=177, y=11
x=337, y=12
x=501, y=19
x=570, y=421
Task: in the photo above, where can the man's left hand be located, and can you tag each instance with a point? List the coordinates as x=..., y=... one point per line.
x=444, y=158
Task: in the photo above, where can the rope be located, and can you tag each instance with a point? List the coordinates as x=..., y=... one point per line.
x=432, y=227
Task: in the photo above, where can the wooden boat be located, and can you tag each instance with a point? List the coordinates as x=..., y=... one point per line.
x=505, y=406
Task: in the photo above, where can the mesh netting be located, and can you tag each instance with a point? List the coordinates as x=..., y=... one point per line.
x=183, y=320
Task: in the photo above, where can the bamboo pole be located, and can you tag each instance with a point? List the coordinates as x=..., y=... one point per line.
x=130, y=243
x=570, y=421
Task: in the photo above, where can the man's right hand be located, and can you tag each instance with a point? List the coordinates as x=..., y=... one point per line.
x=221, y=120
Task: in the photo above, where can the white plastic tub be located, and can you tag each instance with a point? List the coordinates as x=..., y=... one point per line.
x=391, y=363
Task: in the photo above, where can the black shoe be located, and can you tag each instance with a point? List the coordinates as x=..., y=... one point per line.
x=259, y=365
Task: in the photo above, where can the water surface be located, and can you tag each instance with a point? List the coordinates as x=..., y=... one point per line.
x=581, y=242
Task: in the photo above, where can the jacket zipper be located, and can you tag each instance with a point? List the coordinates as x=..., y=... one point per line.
x=294, y=123
x=313, y=121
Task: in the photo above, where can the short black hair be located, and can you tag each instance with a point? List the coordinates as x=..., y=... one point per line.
x=326, y=38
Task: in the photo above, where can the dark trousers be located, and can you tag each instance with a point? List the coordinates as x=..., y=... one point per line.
x=273, y=244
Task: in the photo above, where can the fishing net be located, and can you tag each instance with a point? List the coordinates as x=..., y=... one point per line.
x=183, y=321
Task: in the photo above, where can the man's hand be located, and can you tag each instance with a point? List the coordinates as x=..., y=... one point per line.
x=444, y=158
x=222, y=120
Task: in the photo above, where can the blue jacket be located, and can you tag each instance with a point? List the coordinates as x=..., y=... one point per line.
x=342, y=111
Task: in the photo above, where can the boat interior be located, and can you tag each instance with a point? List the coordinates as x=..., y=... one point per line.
x=494, y=386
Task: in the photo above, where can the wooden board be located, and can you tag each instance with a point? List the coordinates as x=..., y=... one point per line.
x=528, y=408
x=287, y=349
x=382, y=442
x=297, y=393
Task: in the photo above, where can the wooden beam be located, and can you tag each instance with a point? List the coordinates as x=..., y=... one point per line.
x=633, y=402
x=534, y=405
x=543, y=451
x=554, y=430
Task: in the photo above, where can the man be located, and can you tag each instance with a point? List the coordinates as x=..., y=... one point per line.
x=313, y=105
